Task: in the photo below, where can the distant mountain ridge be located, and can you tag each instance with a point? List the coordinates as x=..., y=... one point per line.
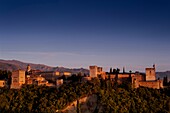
x=163, y=74
x=15, y=64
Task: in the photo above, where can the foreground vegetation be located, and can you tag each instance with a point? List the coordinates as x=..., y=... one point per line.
x=120, y=99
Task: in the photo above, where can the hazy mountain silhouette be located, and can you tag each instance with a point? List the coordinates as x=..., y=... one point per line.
x=163, y=74
x=15, y=64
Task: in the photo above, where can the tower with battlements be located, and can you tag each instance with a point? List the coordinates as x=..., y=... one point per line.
x=150, y=74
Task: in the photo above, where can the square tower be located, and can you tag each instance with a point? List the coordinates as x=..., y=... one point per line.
x=150, y=74
x=93, y=71
x=18, y=78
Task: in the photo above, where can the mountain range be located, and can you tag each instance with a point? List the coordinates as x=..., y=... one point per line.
x=163, y=74
x=15, y=64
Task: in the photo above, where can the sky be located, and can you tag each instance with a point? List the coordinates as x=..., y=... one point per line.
x=134, y=34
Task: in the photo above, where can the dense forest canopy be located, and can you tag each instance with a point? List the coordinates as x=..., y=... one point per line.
x=122, y=98
x=4, y=74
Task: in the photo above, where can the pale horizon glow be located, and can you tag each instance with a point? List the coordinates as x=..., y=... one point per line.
x=38, y=57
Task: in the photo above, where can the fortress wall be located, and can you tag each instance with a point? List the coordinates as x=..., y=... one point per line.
x=123, y=76
x=150, y=84
x=112, y=76
x=73, y=106
x=139, y=77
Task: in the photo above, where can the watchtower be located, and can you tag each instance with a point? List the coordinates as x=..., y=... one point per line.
x=150, y=74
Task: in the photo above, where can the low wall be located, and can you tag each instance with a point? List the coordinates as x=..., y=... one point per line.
x=151, y=84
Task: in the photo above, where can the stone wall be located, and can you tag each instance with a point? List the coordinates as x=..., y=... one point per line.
x=87, y=105
x=152, y=84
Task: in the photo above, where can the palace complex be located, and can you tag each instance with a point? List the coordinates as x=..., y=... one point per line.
x=55, y=79
x=147, y=79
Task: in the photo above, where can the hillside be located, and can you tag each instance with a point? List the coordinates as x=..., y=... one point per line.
x=15, y=64
x=94, y=96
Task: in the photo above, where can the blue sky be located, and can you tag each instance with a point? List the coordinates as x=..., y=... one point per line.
x=79, y=33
